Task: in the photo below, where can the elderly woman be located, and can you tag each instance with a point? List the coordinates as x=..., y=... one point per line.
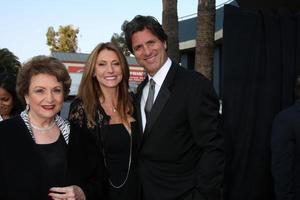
x=33, y=147
x=9, y=103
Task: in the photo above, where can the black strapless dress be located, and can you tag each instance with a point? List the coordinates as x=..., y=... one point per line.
x=118, y=144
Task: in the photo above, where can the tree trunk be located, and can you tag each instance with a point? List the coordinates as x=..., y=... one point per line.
x=205, y=37
x=170, y=25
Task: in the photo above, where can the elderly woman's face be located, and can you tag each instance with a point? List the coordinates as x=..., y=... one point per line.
x=45, y=96
x=6, y=103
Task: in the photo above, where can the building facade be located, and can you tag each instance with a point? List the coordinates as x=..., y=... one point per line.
x=75, y=63
x=187, y=30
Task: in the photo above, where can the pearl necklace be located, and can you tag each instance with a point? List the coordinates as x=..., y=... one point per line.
x=43, y=129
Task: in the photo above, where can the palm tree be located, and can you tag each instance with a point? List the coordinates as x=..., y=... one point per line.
x=170, y=25
x=205, y=37
x=9, y=62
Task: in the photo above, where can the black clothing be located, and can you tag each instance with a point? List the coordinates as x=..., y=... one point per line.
x=87, y=165
x=181, y=154
x=23, y=171
x=285, y=151
x=117, y=142
x=55, y=163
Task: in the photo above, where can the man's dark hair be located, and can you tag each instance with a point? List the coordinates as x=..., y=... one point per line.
x=139, y=23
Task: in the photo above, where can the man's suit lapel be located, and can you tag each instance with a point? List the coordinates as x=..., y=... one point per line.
x=161, y=100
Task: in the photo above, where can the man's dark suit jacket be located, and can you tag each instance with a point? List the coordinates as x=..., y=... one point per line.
x=285, y=148
x=181, y=152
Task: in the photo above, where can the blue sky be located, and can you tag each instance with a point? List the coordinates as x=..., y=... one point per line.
x=24, y=23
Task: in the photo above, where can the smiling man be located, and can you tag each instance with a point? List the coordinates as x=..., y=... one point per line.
x=181, y=154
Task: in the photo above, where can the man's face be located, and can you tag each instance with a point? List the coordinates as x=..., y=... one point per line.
x=149, y=51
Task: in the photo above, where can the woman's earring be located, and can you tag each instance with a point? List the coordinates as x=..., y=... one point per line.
x=27, y=107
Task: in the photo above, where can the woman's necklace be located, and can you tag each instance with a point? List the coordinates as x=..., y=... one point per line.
x=128, y=169
x=110, y=108
x=43, y=129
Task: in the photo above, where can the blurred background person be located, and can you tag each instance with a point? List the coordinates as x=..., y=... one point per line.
x=9, y=66
x=285, y=151
x=9, y=63
x=9, y=103
x=102, y=116
x=33, y=147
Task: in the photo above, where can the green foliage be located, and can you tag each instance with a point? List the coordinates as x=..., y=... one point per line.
x=9, y=62
x=119, y=39
x=65, y=40
x=51, y=39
